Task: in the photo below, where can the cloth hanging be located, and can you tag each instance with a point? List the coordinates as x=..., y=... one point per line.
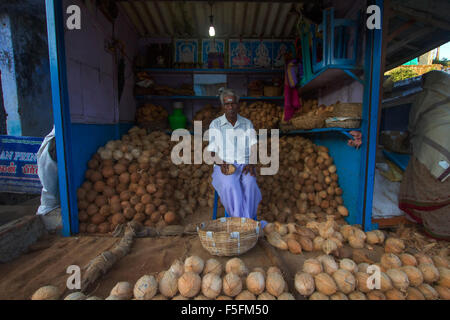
x=291, y=98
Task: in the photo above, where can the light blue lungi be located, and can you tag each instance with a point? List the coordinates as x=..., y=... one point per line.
x=239, y=193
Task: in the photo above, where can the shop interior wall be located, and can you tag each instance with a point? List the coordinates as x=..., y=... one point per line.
x=96, y=113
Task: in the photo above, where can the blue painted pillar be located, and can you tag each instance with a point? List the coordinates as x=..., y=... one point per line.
x=373, y=68
x=61, y=114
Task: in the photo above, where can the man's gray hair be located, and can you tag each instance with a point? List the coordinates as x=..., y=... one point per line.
x=224, y=92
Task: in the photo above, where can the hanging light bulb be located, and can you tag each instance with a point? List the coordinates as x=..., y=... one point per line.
x=212, y=31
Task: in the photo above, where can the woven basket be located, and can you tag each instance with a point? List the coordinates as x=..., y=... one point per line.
x=229, y=236
x=347, y=110
x=348, y=124
x=308, y=122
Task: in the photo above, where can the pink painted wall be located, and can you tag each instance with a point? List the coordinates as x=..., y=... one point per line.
x=92, y=70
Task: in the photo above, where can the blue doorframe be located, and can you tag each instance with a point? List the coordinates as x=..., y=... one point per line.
x=373, y=63
x=61, y=114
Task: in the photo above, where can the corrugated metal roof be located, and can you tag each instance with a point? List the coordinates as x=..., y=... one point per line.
x=415, y=26
x=231, y=19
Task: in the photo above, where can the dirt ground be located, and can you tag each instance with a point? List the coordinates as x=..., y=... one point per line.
x=47, y=261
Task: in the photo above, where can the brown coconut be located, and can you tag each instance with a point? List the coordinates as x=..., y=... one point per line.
x=145, y=288
x=390, y=261
x=357, y=295
x=386, y=282
x=376, y=295
x=245, y=295
x=414, y=294
x=328, y=263
x=430, y=272
x=440, y=262
x=168, y=284
x=189, y=284
x=211, y=285
x=177, y=268
x=213, y=266
x=362, y=267
x=395, y=294
x=423, y=258
x=361, y=280
x=312, y=266
x=123, y=290
x=319, y=296
x=349, y=265
x=415, y=276
x=46, y=293
x=266, y=296
x=286, y=296
x=232, y=284
x=275, y=283
x=428, y=291
x=256, y=283
x=444, y=277
x=399, y=279
x=304, y=284
x=394, y=245
x=338, y=296
x=408, y=259
x=444, y=292
x=325, y=284
x=236, y=266
x=328, y=246
x=345, y=281
x=194, y=264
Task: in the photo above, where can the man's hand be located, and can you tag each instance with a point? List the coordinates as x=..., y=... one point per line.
x=224, y=168
x=250, y=168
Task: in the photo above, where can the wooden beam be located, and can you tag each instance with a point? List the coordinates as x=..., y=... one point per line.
x=415, y=54
x=401, y=29
x=420, y=33
x=424, y=17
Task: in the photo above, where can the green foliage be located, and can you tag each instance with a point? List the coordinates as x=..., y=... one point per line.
x=402, y=74
x=445, y=62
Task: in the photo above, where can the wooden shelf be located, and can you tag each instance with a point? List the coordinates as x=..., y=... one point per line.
x=330, y=75
x=198, y=70
x=343, y=131
x=147, y=97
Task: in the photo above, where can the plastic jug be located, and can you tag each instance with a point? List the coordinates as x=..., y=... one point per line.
x=177, y=119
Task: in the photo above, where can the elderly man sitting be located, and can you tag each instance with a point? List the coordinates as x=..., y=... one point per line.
x=232, y=140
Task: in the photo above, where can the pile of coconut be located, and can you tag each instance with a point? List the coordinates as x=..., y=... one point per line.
x=135, y=179
x=194, y=279
x=401, y=277
x=306, y=186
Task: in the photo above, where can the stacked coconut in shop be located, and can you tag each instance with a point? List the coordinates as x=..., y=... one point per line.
x=135, y=179
x=194, y=279
x=305, y=187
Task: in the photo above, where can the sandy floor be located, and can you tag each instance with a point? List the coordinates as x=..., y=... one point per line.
x=47, y=261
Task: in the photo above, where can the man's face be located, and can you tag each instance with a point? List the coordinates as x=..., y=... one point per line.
x=230, y=106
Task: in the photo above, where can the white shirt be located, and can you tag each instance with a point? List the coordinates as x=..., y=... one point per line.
x=232, y=143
